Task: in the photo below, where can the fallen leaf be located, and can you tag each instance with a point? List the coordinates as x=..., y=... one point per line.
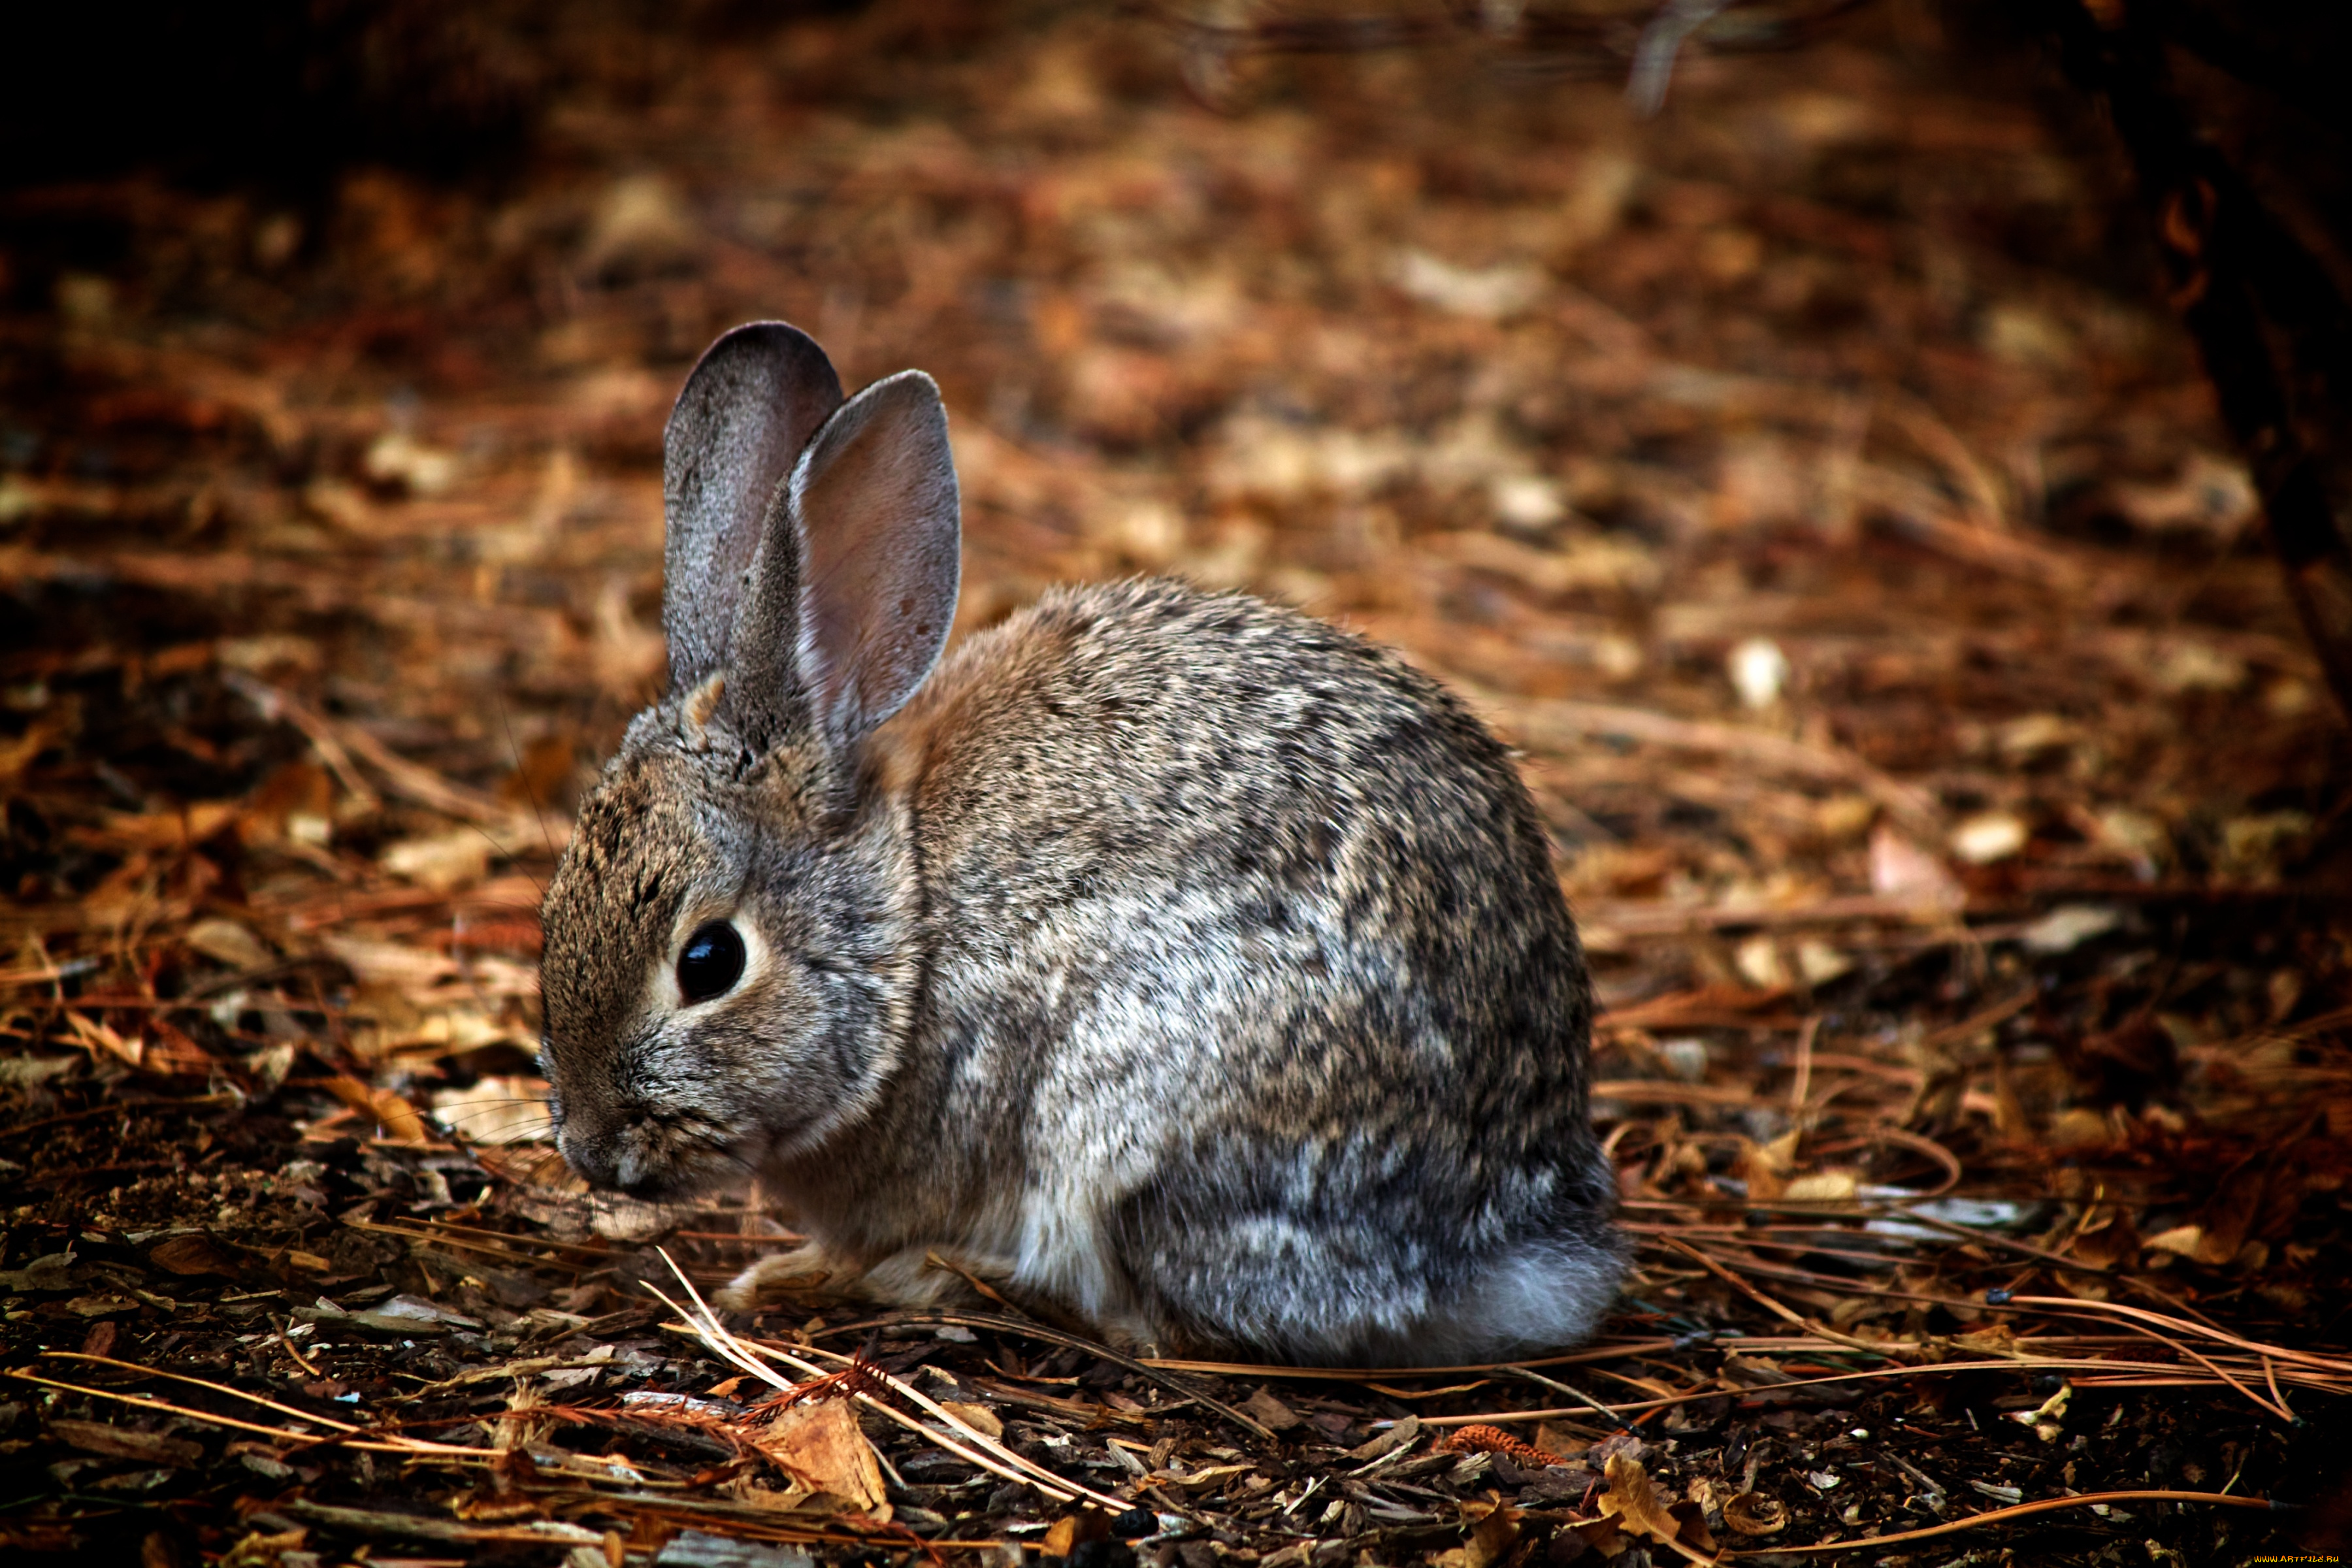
x=979, y=1417
x=1400, y=1435
x=443, y=863
x=2080, y=1128
x=193, y=1253
x=398, y=1119
x=1490, y=293
x=496, y=1109
x=1215, y=1475
x=1634, y=1503
x=125, y=1443
x=1600, y=1535
x=2069, y=926
x=1823, y=1186
x=1691, y=1518
x=1900, y=869
x=1275, y=1415
x=95, y=1036
x=1491, y=1540
x=1753, y=1513
x=1989, y=836
x=229, y=942
x=177, y=829
x=821, y=1445
x=1560, y=1441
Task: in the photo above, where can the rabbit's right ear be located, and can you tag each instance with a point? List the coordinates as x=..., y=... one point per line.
x=855, y=585
x=752, y=402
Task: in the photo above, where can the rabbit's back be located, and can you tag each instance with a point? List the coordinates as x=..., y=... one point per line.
x=1242, y=940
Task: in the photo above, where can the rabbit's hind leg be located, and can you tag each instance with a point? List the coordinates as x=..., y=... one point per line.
x=1363, y=1276
x=1263, y=1285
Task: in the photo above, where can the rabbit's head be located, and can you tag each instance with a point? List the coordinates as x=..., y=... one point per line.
x=726, y=938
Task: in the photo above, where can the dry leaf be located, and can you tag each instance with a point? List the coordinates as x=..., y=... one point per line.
x=1765, y=1166
x=979, y=1417
x=229, y=942
x=193, y=1253
x=1601, y=1535
x=1400, y=1435
x=1989, y=836
x=1900, y=869
x=399, y=1120
x=93, y=1036
x=1560, y=1441
x=496, y=1109
x=126, y=1443
x=1634, y=1503
x=1691, y=1518
x=1490, y=1542
x=1753, y=1513
x=189, y=825
x=2081, y=1127
x=444, y=862
x=1272, y=1412
x=1823, y=1186
x=821, y=1445
x=752, y=1494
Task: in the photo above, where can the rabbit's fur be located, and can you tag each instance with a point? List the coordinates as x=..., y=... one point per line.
x=1168, y=957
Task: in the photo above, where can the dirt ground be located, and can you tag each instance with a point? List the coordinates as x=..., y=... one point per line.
x=1808, y=479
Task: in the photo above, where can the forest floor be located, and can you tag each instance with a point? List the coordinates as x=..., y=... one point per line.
x=1808, y=480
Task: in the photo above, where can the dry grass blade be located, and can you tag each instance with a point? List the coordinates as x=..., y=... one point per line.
x=2005, y=1516
x=2340, y=1366
x=327, y=1421
x=1159, y=1372
x=974, y=1446
x=2022, y=1363
x=414, y=1447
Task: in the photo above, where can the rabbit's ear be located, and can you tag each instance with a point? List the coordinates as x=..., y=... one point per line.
x=750, y=407
x=855, y=583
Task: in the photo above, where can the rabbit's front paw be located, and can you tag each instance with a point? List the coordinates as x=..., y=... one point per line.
x=796, y=1275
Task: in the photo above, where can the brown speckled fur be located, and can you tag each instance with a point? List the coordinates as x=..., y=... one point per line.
x=1170, y=956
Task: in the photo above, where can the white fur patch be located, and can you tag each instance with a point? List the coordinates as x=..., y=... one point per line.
x=1540, y=1296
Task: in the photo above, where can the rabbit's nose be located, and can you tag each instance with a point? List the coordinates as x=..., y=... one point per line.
x=640, y=1171
x=584, y=1155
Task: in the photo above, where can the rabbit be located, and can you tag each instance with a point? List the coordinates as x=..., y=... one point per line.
x=1185, y=964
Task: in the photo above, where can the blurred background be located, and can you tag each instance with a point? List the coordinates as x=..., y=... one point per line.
x=1839, y=400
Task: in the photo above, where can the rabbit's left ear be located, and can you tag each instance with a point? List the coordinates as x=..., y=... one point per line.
x=854, y=586
x=746, y=416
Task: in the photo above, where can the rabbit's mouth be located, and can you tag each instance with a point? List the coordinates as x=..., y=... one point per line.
x=658, y=1159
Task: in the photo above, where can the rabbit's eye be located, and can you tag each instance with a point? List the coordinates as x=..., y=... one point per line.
x=711, y=961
